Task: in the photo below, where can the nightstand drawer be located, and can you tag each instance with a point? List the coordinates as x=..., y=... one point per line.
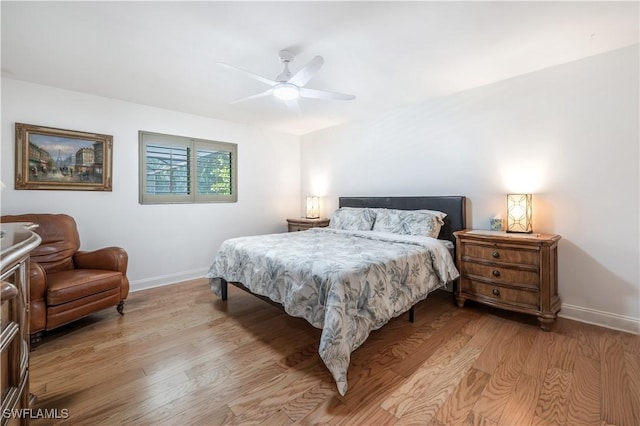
x=303, y=224
x=500, y=294
x=500, y=274
x=500, y=253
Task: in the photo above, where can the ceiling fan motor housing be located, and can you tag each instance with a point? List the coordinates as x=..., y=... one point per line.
x=286, y=56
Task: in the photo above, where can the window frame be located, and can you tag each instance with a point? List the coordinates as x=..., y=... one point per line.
x=193, y=144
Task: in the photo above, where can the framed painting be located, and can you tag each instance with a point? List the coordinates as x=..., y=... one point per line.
x=49, y=158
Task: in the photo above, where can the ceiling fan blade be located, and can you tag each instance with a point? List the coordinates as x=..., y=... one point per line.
x=250, y=74
x=259, y=95
x=294, y=106
x=303, y=76
x=323, y=94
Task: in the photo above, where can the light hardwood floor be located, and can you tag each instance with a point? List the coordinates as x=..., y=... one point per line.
x=180, y=356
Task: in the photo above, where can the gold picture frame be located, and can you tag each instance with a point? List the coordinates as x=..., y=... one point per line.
x=58, y=159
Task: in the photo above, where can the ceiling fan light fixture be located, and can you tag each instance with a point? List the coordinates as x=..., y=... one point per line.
x=286, y=91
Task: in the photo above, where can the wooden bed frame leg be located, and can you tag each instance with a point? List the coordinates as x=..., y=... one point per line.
x=411, y=314
x=223, y=288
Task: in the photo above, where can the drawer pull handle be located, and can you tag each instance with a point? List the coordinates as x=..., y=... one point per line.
x=496, y=292
x=496, y=273
x=495, y=254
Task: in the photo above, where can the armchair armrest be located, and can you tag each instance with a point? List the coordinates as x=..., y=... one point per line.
x=37, y=292
x=109, y=258
x=37, y=281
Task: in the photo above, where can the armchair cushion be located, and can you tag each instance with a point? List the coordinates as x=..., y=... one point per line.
x=66, y=286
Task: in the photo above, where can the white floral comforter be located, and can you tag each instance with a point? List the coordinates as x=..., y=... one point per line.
x=347, y=283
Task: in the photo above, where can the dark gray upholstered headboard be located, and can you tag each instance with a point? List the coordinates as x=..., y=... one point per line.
x=453, y=206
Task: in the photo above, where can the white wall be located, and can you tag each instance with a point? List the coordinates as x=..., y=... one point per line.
x=568, y=134
x=166, y=243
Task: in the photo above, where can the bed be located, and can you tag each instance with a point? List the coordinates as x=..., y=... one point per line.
x=349, y=280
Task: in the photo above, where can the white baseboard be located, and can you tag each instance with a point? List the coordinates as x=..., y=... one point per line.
x=167, y=279
x=578, y=313
x=603, y=319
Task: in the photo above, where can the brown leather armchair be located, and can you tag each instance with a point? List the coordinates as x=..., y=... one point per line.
x=68, y=284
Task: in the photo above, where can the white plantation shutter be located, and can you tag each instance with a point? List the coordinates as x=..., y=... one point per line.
x=176, y=169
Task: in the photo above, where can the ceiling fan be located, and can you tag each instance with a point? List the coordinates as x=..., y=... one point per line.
x=288, y=87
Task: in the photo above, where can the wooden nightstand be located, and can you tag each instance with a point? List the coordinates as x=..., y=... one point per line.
x=302, y=224
x=518, y=272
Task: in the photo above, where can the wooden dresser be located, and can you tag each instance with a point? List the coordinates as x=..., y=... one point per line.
x=302, y=224
x=17, y=242
x=517, y=272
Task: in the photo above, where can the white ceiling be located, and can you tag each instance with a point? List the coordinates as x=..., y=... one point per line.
x=387, y=54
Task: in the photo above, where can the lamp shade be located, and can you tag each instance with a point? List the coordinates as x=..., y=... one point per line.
x=313, y=207
x=519, y=213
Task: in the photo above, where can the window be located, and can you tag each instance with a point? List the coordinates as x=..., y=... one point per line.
x=176, y=169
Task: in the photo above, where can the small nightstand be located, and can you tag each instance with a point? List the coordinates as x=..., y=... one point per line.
x=302, y=224
x=517, y=272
